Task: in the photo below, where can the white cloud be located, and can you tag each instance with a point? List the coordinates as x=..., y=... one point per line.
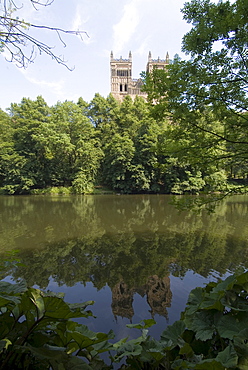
x=55, y=86
x=78, y=21
x=126, y=27
x=78, y=24
x=143, y=48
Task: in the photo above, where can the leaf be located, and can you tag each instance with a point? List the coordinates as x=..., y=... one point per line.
x=195, y=299
x=144, y=324
x=130, y=348
x=212, y=301
x=209, y=365
x=187, y=350
x=228, y=358
x=81, y=305
x=118, y=344
x=173, y=334
x=225, y=285
x=37, y=299
x=202, y=323
x=7, y=299
x=58, y=309
x=9, y=293
x=242, y=279
x=229, y=326
x=4, y=343
x=77, y=363
x=241, y=346
x=182, y=364
x=16, y=288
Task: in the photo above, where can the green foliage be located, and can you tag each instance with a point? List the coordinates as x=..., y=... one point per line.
x=37, y=331
x=82, y=184
x=129, y=147
x=205, y=97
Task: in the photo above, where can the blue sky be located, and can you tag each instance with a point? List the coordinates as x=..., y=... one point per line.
x=119, y=25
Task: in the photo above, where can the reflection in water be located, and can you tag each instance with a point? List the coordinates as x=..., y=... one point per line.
x=131, y=243
x=158, y=293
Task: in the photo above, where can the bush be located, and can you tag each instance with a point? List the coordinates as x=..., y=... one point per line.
x=38, y=331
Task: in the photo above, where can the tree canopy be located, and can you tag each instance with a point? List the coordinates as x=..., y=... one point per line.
x=190, y=136
x=206, y=95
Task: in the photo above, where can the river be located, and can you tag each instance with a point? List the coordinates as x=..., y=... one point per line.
x=136, y=256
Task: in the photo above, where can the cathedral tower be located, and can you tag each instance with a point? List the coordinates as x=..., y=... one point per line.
x=121, y=75
x=122, y=83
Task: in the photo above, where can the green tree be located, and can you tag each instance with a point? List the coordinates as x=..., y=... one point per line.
x=147, y=174
x=55, y=146
x=210, y=87
x=26, y=162
x=74, y=148
x=117, y=164
x=102, y=111
x=6, y=143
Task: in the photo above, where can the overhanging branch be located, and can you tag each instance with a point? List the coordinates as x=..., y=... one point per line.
x=15, y=36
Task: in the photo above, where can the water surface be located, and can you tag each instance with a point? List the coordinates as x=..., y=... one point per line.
x=136, y=256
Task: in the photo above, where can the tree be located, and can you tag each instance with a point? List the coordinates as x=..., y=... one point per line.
x=26, y=162
x=212, y=84
x=6, y=144
x=117, y=164
x=74, y=148
x=16, y=36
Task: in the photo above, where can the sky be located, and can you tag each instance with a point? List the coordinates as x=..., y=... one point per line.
x=120, y=26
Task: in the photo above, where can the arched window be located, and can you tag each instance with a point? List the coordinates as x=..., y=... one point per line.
x=125, y=87
x=120, y=87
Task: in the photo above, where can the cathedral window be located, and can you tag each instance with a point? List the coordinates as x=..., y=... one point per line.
x=122, y=72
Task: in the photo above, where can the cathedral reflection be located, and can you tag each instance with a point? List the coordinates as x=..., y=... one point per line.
x=158, y=293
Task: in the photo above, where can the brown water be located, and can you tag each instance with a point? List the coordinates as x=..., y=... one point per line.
x=136, y=256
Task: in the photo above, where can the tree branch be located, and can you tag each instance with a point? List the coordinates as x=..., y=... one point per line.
x=15, y=37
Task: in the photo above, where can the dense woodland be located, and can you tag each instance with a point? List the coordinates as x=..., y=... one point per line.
x=189, y=137
x=128, y=147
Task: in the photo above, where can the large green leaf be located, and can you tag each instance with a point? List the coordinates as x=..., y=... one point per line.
x=209, y=365
x=228, y=358
x=57, y=358
x=196, y=297
x=57, y=308
x=130, y=348
x=212, y=301
x=242, y=279
x=10, y=293
x=186, y=350
x=203, y=324
x=8, y=299
x=173, y=334
x=225, y=285
x=241, y=346
x=38, y=301
x=16, y=288
x=229, y=326
x=180, y=364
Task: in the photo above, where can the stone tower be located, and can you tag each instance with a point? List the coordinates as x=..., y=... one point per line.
x=156, y=63
x=122, y=83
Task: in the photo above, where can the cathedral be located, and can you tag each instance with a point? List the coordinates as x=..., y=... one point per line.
x=122, y=83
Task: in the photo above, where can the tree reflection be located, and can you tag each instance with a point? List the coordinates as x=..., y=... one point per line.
x=132, y=244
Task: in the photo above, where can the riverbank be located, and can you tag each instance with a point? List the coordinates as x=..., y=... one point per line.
x=236, y=186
